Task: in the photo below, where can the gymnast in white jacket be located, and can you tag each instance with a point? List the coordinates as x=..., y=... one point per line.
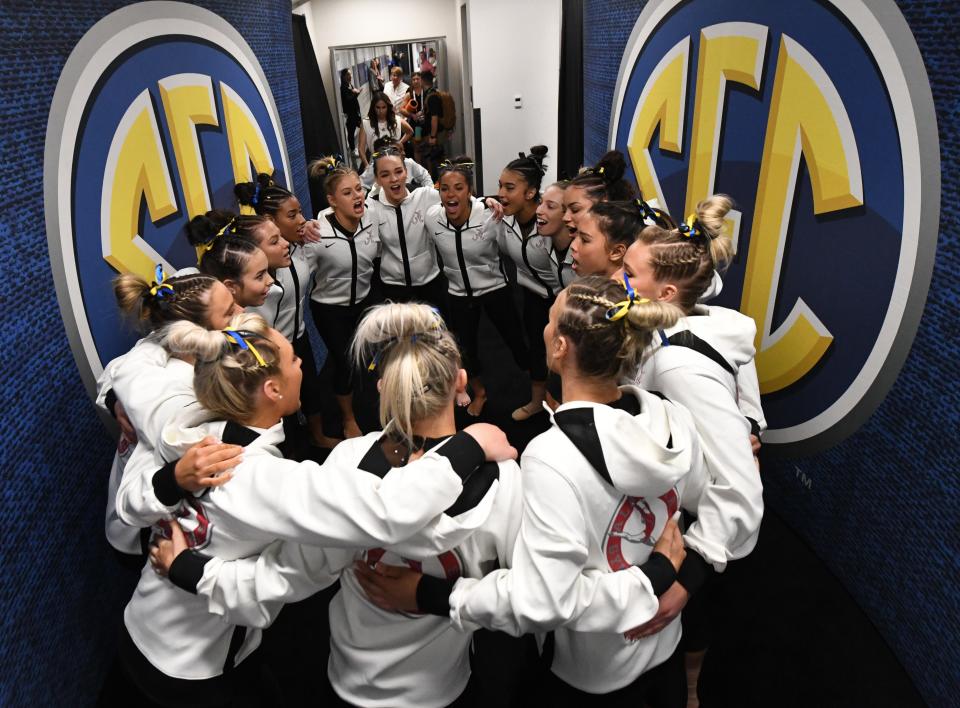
x=705, y=362
x=146, y=386
x=600, y=487
x=245, y=382
x=381, y=658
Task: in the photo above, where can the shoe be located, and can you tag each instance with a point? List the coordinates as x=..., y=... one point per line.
x=524, y=412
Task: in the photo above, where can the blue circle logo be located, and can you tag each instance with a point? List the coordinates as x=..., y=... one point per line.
x=817, y=118
x=160, y=109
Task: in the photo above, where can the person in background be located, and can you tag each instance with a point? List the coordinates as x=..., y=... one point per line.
x=412, y=110
x=350, y=105
x=381, y=121
x=396, y=90
x=431, y=148
x=374, y=77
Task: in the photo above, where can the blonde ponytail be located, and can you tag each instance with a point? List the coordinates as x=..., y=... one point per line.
x=417, y=358
x=181, y=298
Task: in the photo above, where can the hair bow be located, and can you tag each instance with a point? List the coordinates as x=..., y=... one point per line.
x=692, y=228
x=238, y=338
x=648, y=212
x=161, y=289
x=204, y=247
x=619, y=310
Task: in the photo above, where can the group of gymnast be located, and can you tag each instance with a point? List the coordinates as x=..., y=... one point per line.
x=575, y=561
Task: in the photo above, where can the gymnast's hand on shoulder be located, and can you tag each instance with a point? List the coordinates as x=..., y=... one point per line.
x=495, y=206
x=209, y=463
x=496, y=447
x=311, y=231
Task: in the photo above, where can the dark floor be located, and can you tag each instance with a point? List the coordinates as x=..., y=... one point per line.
x=786, y=633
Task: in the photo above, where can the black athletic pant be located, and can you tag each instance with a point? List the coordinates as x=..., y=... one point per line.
x=465, y=323
x=353, y=122
x=663, y=686
x=536, y=314
x=311, y=394
x=337, y=324
x=432, y=293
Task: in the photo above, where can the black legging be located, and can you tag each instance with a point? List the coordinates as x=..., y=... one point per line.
x=336, y=325
x=311, y=395
x=432, y=293
x=353, y=122
x=536, y=314
x=663, y=686
x=465, y=323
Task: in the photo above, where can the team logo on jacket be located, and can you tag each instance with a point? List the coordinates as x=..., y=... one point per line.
x=193, y=521
x=817, y=117
x=160, y=109
x=637, y=522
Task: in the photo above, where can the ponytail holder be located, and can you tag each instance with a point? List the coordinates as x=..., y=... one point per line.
x=160, y=289
x=207, y=245
x=692, y=228
x=237, y=337
x=648, y=212
x=620, y=310
x=255, y=199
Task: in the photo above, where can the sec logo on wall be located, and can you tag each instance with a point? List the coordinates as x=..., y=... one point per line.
x=817, y=117
x=160, y=109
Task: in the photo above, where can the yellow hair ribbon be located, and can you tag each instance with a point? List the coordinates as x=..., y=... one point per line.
x=237, y=338
x=619, y=310
x=203, y=248
x=160, y=286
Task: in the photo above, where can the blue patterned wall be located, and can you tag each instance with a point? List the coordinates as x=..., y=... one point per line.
x=63, y=591
x=883, y=507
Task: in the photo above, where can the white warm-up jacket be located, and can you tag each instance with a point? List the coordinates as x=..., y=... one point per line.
x=270, y=498
x=598, y=487
x=711, y=351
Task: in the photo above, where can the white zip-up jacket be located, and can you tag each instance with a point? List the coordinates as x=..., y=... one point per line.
x=470, y=253
x=343, y=262
x=534, y=257
x=565, y=272
x=416, y=174
x=270, y=498
x=407, y=255
x=283, y=308
x=700, y=370
x=599, y=486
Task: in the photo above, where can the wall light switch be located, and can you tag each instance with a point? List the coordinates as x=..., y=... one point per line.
x=517, y=102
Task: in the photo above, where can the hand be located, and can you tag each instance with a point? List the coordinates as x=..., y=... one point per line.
x=671, y=604
x=390, y=587
x=310, y=231
x=496, y=447
x=126, y=427
x=496, y=206
x=670, y=544
x=754, y=444
x=163, y=552
x=207, y=464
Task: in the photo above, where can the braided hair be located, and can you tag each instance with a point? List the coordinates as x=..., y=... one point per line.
x=166, y=300
x=264, y=196
x=609, y=326
x=463, y=165
x=530, y=167
x=224, y=243
x=689, y=254
x=331, y=169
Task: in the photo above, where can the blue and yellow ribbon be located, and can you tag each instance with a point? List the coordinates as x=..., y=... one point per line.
x=648, y=212
x=620, y=310
x=235, y=337
x=691, y=228
x=203, y=248
x=160, y=288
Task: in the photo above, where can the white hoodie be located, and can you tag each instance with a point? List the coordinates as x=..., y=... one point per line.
x=382, y=658
x=598, y=487
x=270, y=498
x=729, y=517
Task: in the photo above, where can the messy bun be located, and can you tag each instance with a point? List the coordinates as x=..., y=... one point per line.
x=227, y=377
x=182, y=298
x=263, y=196
x=609, y=328
x=605, y=180
x=530, y=167
x=417, y=359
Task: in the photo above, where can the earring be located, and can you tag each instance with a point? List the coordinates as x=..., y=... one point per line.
x=279, y=395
